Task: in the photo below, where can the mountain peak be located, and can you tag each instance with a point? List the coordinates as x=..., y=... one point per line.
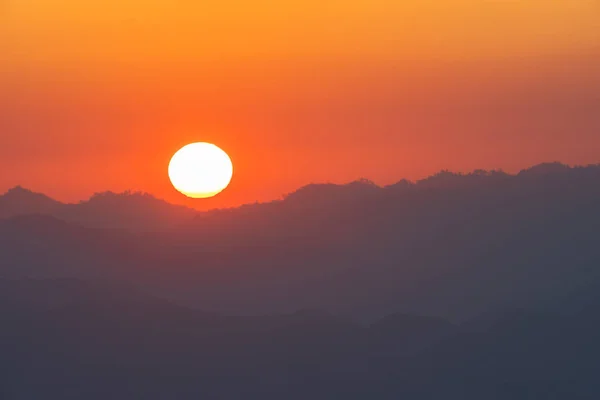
x=20, y=193
x=546, y=169
x=132, y=210
x=19, y=201
x=19, y=190
x=330, y=191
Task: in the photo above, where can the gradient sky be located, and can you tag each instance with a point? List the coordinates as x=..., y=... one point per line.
x=98, y=94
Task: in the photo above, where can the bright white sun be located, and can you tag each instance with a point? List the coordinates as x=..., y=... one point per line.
x=200, y=170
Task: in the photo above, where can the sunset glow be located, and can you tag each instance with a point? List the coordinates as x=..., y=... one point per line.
x=329, y=91
x=414, y=212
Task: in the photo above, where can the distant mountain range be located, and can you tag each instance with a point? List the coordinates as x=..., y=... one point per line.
x=462, y=287
x=452, y=245
x=133, y=211
x=140, y=211
x=70, y=339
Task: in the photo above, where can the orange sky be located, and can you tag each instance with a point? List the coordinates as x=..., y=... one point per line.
x=98, y=94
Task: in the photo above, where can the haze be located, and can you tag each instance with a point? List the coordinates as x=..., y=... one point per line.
x=98, y=95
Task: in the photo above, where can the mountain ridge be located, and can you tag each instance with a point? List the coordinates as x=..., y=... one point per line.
x=137, y=211
x=362, y=185
x=100, y=333
x=507, y=241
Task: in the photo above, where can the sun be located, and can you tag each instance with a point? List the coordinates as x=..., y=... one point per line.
x=200, y=170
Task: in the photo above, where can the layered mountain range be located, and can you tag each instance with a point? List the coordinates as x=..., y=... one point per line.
x=452, y=245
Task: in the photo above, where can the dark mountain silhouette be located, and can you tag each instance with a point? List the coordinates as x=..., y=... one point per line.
x=476, y=286
x=20, y=201
x=70, y=339
x=452, y=245
x=546, y=169
x=129, y=210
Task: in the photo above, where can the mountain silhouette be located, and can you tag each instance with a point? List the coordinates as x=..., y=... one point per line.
x=129, y=210
x=68, y=339
x=20, y=201
x=460, y=286
x=431, y=247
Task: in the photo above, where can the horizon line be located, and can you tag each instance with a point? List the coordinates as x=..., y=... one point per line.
x=362, y=180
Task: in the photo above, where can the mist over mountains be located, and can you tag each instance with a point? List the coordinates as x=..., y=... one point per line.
x=450, y=245
x=70, y=339
x=484, y=285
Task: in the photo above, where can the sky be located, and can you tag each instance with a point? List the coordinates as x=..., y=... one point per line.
x=97, y=95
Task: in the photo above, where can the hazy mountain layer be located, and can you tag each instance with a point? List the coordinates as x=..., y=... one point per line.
x=67, y=339
x=452, y=245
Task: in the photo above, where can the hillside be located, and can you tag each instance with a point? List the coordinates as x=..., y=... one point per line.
x=68, y=339
x=132, y=211
x=452, y=245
